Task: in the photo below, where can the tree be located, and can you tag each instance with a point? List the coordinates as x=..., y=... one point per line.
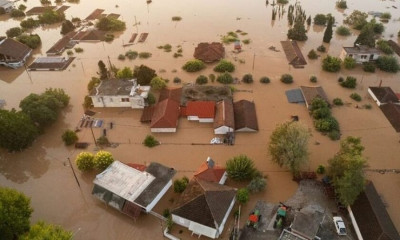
x=388, y=64
x=357, y=19
x=224, y=66
x=42, y=230
x=49, y=17
x=150, y=141
x=312, y=54
x=29, y=23
x=15, y=211
x=366, y=36
x=350, y=82
x=384, y=46
x=103, y=159
x=242, y=195
x=342, y=4
x=125, y=73
x=343, y=31
x=201, y=80
x=247, y=78
x=298, y=32
x=320, y=19
x=349, y=63
x=31, y=40
x=16, y=13
x=85, y=161
x=193, y=65
x=240, y=168
x=144, y=74
x=17, y=131
x=257, y=184
x=287, y=78
x=225, y=78
x=328, y=31
x=288, y=146
x=14, y=32
x=69, y=137
x=346, y=170
x=157, y=83
x=103, y=72
x=180, y=184
x=110, y=24
x=67, y=27
x=331, y=64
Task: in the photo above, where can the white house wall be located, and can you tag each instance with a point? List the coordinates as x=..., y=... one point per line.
x=246, y=129
x=223, y=179
x=202, y=120
x=181, y=221
x=116, y=101
x=374, y=97
x=163, y=130
x=159, y=196
x=223, y=130
x=200, y=229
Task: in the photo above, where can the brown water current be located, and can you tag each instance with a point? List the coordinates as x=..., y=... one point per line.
x=42, y=172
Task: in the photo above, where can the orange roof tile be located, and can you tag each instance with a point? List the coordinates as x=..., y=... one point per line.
x=213, y=174
x=165, y=114
x=201, y=109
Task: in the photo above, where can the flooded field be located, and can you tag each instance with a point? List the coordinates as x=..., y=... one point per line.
x=42, y=172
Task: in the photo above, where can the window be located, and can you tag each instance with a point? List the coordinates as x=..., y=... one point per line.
x=98, y=99
x=364, y=56
x=124, y=99
x=351, y=55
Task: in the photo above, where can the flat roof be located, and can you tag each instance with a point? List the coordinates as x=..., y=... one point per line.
x=125, y=181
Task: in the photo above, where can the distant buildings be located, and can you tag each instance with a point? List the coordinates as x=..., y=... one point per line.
x=13, y=54
x=361, y=54
x=119, y=93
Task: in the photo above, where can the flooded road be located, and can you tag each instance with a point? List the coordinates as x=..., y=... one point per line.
x=42, y=171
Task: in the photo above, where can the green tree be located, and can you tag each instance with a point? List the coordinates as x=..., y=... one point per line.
x=69, y=137
x=103, y=72
x=384, y=46
x=366, y=36
x=349, y=63
x=320, y=19
x=29, y=23
x=103, y=159
x=328, y=31
x=157, y=83
x=288, y=146
x=298, y=32
x=15, y=211
x=343, y=31
x=181, y=184
x=17, y=131
x=144, y=74
x=257, y=184
x=388, y=64
x=14, y=32
x=150, y=141
x=193, y=65
x=125, y=73
x=357, y=19
x=240, y=168
x=242, y=195
x=151, y=99
x=312, y=54
x=85, y=161
x=331, y=64
x=42, y=230
x=110, y=24
x=247, y=78
x=16, y=13
x=224, y=66
x=67, y=27
x=350, y=82
x=225, y=78
x=31, y=40
x=50, y=17
x=201, y=80
x=346, y=170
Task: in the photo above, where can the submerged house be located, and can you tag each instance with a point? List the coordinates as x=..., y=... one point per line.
x=224, y=121
x=204, y=207
x=13, y=54
x=209, y=52
x=130, y=190
x=309, y=93
x=383, y=95
x=208, y=171
x=361, y=54
x=119, y=93
x=165, y=116
x=7, y=5
x=392, y=113
x=245, y=116
x=202, y=111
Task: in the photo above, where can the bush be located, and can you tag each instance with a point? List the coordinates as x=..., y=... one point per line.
x=313, y=79
x=320, y=19
x=87, y=102
x=386, y=16
x=85, y=161
x=265, y=80
x=211, y=77
x=14, y=32
x=282, y=1
x=343, y=31
x=176, y=18
x=158, y=83
x=384, y=46
x=110, y=24
x=131, y=54
x=125, y=73
x=29, y=23
x=287, y=78
x=78, y=50
x=180, y=184
x=144, y=55
x=388, y=64
x=103, y=159
x=334, y=135
x=369, y=67
x=321, y=48
x=109, y=37
x=151, y=99
x=356, y=97
x=351, y=82
x=67, y=27
x=33, y=40
x=356, y=19
x=94, y=82
x=342, y=4
x=257, y=184
x=177, y=80
x=320, y=113
x=22, y=7
x=102, y=141
x=240, y=168
x=150, y=141
x=121, y=57
x=201, y=80
x=225, y=78
x=320, y=169
x=224, y=66
x=312, y=54
x=242, y=195
x=193, y=65
x=337, y=102
x=70, y=52
x=50, y=17
x=349, y=63
x=247, y=78
x=69, y=137
x=326, y=124
x=16, y=13
x=368, y=106
x=331, y=64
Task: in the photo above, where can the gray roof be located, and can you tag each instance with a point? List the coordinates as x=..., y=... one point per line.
x=245, y=115
x=14, y=49
x=113, y=87
x=307, y=222
x=295, y=96
x=361, y=50
x=384, y=94
x=162, y=176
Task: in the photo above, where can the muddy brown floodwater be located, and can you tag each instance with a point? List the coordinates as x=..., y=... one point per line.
x=42, y=171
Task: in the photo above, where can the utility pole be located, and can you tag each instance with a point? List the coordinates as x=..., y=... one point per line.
x=94, y=139
x=73, y=171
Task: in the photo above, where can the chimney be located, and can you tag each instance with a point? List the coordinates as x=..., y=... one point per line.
x=210, y=163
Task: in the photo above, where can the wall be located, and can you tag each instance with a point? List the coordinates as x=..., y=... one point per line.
x=159, y=196
x=223, y=130
x=373, y=97
x=221, y=227
x=163, y=130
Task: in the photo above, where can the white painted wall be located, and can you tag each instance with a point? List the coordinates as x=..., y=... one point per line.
x=223, y=130
x=223, y=179
x=159, y=196
x=221, y=227
x=359, y=58
x=180, y=221
x=163, y=130
x=136, y=102
x=374, y=97
x=202, y=120
x=246, y=129
x=200, y=229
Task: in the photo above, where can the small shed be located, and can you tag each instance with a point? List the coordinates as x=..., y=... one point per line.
x=209, y=52
x=245, y=116
x=307, y=222
x=309, y=93
x=383, y=95
x=224, y=121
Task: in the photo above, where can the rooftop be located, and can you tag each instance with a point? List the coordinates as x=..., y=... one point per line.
x=245, y=115
x=361, y=49
x=166, y=114
x=310, y=93
x=384, y=94
x=208, y=171
x=170, y=93
x=202, y=109
x=224, y=115
x=209, y=52
x=14, y=49
x=204, y=93
x=392, y=113
x=120, y=87
x=306, y=222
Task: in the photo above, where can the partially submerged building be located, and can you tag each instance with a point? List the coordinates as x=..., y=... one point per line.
x=224, y=121
x=202, y=111
x=7, y=5
x=309, y=93
x=383, y=95
x=165, y=116
x=211, y=172
x=13, y=54
x=245, y=116
x=209, y=52
x=293, y=53
x=204, y=207
x=119, y=93
x=360, y=54
x=132, y=191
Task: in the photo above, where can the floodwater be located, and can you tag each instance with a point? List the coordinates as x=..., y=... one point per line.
x=42, y=172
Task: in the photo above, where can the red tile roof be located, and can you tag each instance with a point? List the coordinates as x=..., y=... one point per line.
x=171, y=93
x=201, y=109
x=211, y=174
x=136, y=166
x=166, y=114
x=224, y=115
x=209, y=52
